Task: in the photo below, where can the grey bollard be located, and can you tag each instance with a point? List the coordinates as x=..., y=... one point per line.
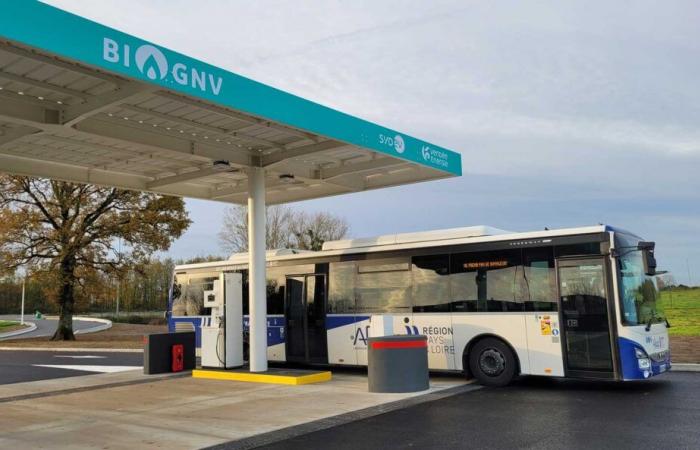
x=397, y=364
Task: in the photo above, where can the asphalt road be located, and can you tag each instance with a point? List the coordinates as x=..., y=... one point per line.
x=46, y=327
x=534, y=413
x=17, y=366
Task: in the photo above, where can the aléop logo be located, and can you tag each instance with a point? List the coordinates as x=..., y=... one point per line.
x=153, y=63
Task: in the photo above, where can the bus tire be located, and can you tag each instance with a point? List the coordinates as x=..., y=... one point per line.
x=492, y=362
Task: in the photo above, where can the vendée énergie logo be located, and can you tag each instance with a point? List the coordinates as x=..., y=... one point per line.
x=153, y=63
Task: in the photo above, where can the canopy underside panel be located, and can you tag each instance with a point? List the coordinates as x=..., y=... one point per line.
x=72, y=122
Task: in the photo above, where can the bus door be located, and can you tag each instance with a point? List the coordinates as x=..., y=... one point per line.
x=305, y=312
x=585, y=312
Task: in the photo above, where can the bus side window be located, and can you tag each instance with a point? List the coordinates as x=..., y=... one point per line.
x=431, y=283
x=489, y=281
x=383, y=286
x=276, y=280
x=341, y=288
x=245, y=289
x=540, y=279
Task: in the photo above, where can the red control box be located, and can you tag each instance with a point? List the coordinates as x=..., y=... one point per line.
x=178, y=357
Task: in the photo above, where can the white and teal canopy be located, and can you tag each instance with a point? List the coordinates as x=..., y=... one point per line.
x=86, y=103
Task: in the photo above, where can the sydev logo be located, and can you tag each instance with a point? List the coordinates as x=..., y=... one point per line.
x=399, y=144
x=153, y=63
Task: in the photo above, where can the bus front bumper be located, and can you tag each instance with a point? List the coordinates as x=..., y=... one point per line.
x=637, y=364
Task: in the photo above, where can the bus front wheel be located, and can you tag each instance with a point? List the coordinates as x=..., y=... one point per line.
x=492, y=362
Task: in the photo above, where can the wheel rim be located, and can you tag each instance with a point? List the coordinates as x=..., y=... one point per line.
x=492, y=362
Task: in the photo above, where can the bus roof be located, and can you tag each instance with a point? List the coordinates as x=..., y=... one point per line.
x=434, y=238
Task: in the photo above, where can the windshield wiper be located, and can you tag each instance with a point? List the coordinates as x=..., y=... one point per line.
x=651, y=320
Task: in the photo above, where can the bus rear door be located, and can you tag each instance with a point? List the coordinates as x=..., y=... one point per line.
x=305, y=312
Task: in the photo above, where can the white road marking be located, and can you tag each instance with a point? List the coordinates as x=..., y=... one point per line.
x=98, y=369
x=80, y=356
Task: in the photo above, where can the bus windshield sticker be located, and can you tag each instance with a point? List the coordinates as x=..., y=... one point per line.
x=546, y=326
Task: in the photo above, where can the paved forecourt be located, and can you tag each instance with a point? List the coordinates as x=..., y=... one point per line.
x=185, y=413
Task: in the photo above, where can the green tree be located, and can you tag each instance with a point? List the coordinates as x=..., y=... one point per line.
x=68, y=232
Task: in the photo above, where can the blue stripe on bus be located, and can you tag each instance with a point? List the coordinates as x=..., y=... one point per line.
x=340, y=321
x=275, y=328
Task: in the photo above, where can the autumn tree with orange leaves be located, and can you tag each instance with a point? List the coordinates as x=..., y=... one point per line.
x=68, y=231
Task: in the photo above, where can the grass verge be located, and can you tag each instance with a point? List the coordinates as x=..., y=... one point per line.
x=681, y=306
x=8, y=325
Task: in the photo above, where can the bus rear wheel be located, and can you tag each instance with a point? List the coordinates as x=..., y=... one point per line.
x=492, y=362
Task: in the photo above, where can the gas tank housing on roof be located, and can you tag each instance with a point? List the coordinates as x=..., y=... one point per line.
x=409, y=238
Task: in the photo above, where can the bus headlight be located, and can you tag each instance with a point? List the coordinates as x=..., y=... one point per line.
x=643, y=361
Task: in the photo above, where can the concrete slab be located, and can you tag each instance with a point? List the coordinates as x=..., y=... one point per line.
x=184, y=412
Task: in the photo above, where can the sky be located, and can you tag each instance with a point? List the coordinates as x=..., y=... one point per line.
x=566, y=113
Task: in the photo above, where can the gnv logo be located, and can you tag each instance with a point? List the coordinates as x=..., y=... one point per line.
x=157, y=69
x=152, y=62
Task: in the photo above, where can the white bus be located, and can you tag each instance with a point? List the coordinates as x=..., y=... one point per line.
x=577, y=302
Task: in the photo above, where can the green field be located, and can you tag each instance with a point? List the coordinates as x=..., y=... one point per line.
x=682, y=309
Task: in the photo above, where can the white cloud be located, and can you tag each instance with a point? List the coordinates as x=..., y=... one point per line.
x=565, y=113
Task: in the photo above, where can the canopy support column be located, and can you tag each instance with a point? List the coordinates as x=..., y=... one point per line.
x=256, y=270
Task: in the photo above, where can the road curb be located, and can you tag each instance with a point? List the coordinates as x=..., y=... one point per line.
x=685, y=367
x=106, y=324
x=58, y=349
x=29, y=329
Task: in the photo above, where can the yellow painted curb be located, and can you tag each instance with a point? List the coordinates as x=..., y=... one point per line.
x=318, y=377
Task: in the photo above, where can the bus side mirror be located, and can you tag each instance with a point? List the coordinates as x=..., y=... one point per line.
x=647, y=249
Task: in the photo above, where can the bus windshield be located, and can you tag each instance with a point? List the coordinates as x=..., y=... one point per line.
x=639, y=291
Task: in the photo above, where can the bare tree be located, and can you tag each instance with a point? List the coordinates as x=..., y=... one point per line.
x=310, y=231
x=234, y=232
x=286, y=228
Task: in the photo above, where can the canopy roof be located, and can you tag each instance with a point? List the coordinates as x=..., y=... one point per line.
x=86, y=103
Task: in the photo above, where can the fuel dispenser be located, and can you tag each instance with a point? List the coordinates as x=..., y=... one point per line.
x=222, y=337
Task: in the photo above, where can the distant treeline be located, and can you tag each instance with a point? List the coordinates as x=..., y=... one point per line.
x=678, y=287
x=142, y=289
